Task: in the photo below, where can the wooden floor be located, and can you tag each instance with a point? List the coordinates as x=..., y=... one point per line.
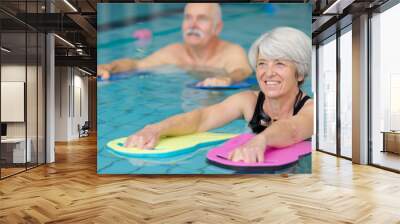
x=70, y=191
x=10, y=171
x=387, y=159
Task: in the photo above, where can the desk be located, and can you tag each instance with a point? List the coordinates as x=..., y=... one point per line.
x=391, y=141
x=18, y=151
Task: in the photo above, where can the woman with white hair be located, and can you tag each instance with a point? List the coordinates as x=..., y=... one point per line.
x=280, y=113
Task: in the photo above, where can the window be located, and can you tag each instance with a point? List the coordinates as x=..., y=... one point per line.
x=346, y=93
x=385, y=89
x=327, y=96
x=22, y=67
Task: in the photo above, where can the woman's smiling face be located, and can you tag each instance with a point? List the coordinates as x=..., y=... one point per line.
x=276, y=77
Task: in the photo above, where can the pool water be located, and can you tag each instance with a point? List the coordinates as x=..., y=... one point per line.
x=127, y=105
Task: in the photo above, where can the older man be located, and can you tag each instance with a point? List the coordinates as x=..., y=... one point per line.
x=202, y=52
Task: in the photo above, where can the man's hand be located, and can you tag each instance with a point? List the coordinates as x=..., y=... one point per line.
x=147, y=138
x=122, y=65
x=104, y=71
x=216, y=81
x=251, y=152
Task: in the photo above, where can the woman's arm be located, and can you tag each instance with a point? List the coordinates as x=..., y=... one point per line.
x=289, y=131
x=282, y=133
x=191, y=122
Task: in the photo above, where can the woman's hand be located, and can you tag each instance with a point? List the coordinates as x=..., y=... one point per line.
x=251, y=152
x=147, y=138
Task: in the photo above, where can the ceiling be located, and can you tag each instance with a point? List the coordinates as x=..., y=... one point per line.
x=330, y=15
x=76, y=22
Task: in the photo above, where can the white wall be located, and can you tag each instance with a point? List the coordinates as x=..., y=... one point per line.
x=33, y=126
x=12, y=73
x=80, y=100
x=71, y=93
x=61, y=103
x=13, y=101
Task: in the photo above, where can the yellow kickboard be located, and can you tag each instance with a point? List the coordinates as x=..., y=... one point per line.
x=171, y=146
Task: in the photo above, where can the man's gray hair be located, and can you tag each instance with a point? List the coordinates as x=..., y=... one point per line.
x=284, y=43
x=217, y=12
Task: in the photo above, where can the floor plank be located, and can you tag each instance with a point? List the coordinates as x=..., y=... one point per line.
x=70, y=191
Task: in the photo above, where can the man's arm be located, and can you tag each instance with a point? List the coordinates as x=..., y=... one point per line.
x=237, y=67
x=164, y=56
x=158, y=58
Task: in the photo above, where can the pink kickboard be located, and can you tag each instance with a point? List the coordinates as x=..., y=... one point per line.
x=274, y=157
x=142, y=34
